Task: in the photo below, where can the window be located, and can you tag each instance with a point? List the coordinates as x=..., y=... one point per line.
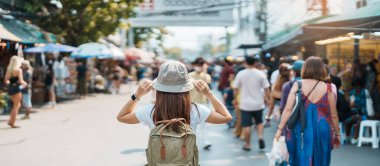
x=361, y=3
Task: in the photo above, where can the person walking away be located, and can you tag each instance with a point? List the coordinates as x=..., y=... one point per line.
x=26, y=92
x=173, y=101
x=276, y=93
x=228, y=101
x=15, y=82
x=322, y=134
x=238, y=129
x=296, y=75
x=200, y=74
x=81, y=80
x=225, y=74
x=250, y=83
x=50, y=86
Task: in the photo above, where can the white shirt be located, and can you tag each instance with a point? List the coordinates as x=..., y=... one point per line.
x=273, y=77
x=145, y=115
x=251, y=83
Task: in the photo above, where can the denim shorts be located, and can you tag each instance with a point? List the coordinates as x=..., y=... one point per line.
x=26, y=100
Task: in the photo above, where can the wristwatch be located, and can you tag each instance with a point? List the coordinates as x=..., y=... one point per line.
x=133, y=97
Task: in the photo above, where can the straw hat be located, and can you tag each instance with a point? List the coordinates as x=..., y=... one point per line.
x=173, y=78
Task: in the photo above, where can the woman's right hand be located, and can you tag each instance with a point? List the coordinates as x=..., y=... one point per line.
x=144, y=87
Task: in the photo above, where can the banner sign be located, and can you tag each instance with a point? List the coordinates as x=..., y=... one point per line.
x=153, y=13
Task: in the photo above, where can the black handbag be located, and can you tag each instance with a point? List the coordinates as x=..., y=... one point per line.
x=298, y=112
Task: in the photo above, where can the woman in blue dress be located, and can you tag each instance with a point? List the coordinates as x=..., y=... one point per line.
x=321, y=134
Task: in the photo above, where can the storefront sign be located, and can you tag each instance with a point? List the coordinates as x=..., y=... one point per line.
x=184, y=13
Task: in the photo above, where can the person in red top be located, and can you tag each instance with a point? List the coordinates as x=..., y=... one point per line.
x=225, y=75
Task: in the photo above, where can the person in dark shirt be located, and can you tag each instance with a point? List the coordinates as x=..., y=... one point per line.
x=225, y=75
x=81, y=79
x=49, y=84
x=228, y=99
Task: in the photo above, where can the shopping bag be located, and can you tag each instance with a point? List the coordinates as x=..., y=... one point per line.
x=279, y=153
x=369, y=104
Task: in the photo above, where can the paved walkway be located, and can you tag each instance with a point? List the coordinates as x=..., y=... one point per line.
x=86, y=133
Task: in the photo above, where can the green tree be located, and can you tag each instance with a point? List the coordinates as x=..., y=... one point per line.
x=81, y=21
x=173, y=53
x=143, y=34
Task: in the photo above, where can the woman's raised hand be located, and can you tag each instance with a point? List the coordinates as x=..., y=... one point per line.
x=202, y=87
x=144, y=87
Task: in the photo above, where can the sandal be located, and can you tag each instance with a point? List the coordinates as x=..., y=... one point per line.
x=13, y=126
x=246, y=149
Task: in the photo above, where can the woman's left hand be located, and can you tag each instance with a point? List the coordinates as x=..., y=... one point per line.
x=202, y=87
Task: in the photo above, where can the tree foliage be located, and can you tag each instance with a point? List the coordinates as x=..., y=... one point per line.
x=81, y=21
x=173, y=53
x=143, y=34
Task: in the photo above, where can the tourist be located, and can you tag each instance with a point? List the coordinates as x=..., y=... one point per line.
x=314, y=145
x=200, y=74
x=14, y=79
x=276, y=93
x=173, y=100
x=27, y=91
x=250, y=84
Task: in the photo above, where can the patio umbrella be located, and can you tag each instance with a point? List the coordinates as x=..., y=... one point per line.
x=117, y=53
x=135, y=54
x=92, y=50
x=51, y=47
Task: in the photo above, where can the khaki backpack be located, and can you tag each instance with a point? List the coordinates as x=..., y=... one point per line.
x=169, y=148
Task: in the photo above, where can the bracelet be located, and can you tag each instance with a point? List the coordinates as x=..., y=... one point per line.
x=279, y=128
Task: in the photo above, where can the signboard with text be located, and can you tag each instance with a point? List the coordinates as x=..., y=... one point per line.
x=152, y=13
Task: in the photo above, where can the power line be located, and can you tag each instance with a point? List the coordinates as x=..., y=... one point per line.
x=230, y=5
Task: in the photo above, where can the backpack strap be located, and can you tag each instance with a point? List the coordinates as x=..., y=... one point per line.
x=182, y=121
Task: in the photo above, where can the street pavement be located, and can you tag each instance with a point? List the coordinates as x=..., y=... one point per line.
x=86, y=133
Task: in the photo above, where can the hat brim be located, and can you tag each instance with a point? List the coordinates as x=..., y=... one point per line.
x=173, y=88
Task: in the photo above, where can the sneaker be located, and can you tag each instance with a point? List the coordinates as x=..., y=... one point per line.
x=25, y=117
x=354, y=141
x=261, y=144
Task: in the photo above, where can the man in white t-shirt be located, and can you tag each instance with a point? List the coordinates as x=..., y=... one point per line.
x=250, y=84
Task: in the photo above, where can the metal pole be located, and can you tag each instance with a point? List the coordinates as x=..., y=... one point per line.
x=338, y=57
x=131, y=42
x=356, y=48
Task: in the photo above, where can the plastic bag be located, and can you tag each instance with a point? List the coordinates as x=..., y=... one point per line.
x=279, y=153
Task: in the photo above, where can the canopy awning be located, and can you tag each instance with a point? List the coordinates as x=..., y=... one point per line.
x=6, y=35
x=360, y=20
x=28, y=33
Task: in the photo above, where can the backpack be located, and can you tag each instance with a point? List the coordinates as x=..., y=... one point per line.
x=169, y=148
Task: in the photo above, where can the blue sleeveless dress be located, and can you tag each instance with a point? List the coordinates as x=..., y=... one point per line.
x=314, y=149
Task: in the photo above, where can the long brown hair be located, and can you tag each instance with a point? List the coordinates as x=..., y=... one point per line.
x=314, y=68
x=172, y=105
x=284, y=76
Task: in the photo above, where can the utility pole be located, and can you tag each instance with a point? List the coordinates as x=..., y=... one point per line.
x=325, y=10
x=262, y=16
x=318, y=5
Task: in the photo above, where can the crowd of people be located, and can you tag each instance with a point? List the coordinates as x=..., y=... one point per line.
x=252, y=94
x=249, y=88
x=61, y=78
